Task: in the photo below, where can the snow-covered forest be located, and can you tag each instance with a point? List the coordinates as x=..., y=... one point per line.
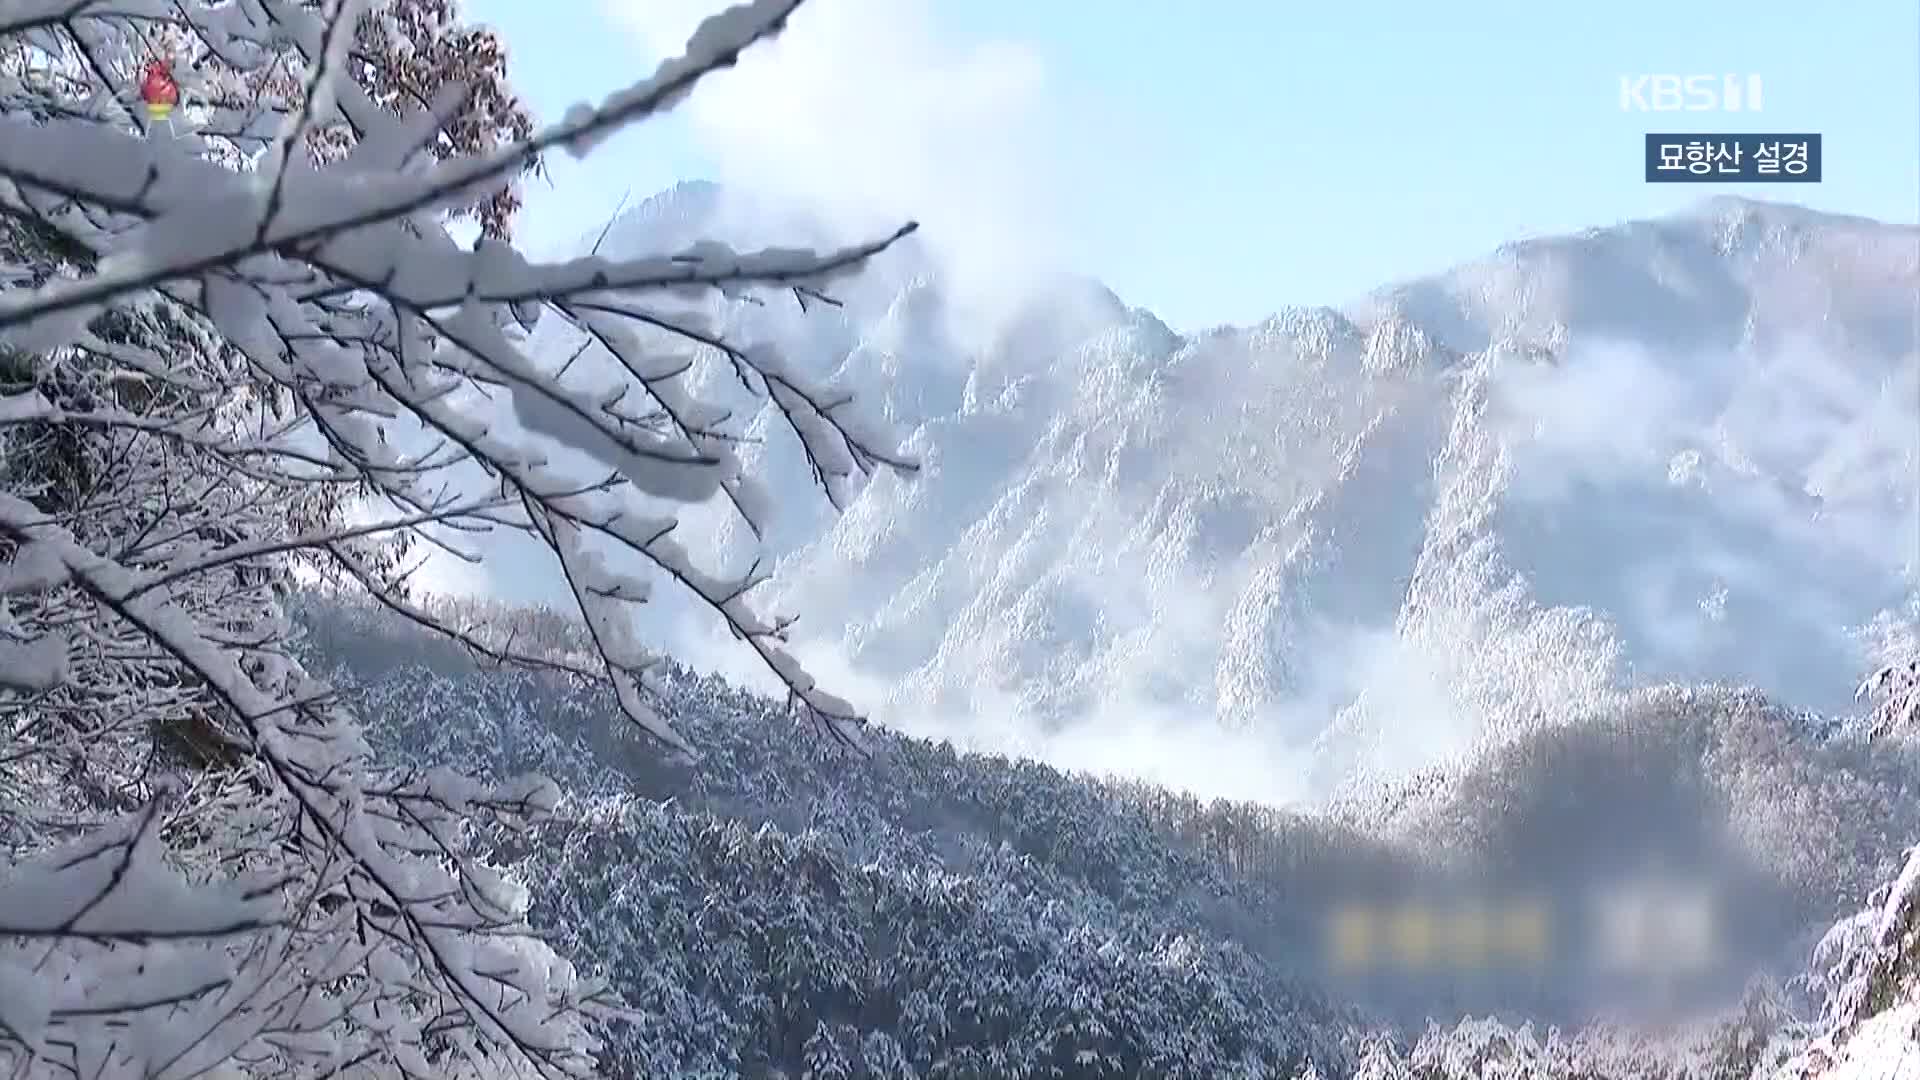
x=273, y=807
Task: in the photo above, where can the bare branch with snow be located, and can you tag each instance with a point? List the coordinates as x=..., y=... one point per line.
x=219, y=351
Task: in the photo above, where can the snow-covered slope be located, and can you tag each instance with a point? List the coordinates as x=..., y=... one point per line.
x=971, y=904
x=789, y=905
x=1264, y=561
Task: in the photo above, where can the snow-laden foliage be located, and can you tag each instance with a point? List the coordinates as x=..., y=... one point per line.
x=1751, y=1042
x=1865, y=973
x=788, y=901
x=1894, y=691
x=231, y=346
x=1870, y=963
x=785, y=899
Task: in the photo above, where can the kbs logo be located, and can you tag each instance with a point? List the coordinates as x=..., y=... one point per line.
x=1690, y=93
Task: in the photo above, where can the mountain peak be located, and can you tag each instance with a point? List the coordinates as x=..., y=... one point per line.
x=1742, y=208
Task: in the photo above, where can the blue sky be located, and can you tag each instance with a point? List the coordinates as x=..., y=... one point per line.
x=1217, y=159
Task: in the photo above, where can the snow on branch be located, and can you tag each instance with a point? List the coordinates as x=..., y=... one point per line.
x=223, y=361
x=325, y=276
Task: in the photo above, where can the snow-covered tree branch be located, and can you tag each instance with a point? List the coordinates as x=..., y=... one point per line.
x=243, y=341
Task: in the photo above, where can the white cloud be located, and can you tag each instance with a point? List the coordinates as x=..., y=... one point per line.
x=871, y=113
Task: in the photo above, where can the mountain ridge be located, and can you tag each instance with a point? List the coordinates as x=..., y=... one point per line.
x=1413, y=505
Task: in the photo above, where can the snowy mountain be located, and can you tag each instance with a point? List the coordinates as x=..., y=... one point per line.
x=1462, y=581
x=1269, y=561
x=1422, y=561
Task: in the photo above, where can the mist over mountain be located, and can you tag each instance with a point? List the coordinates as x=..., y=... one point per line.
x=1277, y=560
x=1549, y=572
